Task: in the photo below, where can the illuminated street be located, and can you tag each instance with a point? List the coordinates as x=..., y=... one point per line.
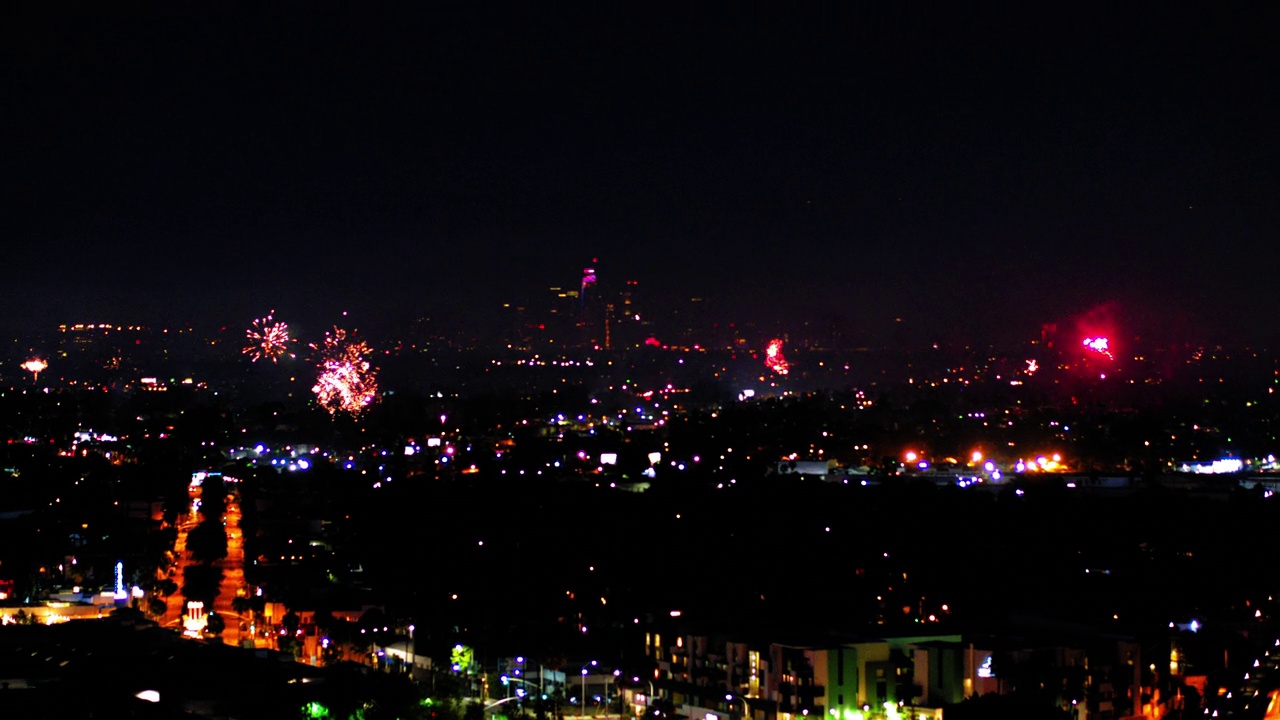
x=232, y=567
x=232, y=573
x=175, y=603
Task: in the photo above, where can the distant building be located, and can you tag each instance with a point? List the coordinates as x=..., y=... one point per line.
x=808, y=467
x=900, y=677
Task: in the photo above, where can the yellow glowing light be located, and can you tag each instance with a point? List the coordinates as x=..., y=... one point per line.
x=911, y=456
x=35, y=366
x=976, y=457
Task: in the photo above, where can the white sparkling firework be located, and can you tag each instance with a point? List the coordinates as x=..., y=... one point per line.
x=1099, y=345
x=347, y=380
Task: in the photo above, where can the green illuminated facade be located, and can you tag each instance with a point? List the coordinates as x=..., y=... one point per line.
x=892, y=678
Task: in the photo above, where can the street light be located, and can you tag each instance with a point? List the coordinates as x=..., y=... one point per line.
x=506, y=679
x=585, y=670
x=648, y=699
x=746, y=709
x=617, y=693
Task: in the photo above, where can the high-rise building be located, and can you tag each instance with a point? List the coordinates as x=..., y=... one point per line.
x=590, y=309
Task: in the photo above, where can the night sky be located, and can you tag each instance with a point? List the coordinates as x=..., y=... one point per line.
x=973, y=174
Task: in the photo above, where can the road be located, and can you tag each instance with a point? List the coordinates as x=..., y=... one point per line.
x=233, y=584
x=232, y=573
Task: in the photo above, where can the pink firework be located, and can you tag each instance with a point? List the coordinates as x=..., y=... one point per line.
x=773, y=358
x=267, y=338
x=347, y=381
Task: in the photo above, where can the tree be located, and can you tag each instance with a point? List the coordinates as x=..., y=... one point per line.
x=324, y=621
x=156, y=606
x=330, y=653
x=373, y=618
x=216, y=624
x=290, y=644
x=1030, y=705
x=242, y=605
x=201, y=582
x=208, y=541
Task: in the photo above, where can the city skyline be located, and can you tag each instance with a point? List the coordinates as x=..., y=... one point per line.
x=976, y=174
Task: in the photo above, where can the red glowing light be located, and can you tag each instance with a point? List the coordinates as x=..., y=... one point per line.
x=773, y=358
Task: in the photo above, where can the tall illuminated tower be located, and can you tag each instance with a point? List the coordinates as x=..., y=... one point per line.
x=590, y=311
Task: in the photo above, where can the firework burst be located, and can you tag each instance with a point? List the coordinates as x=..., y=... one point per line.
x=347, y=381
x=35, y=366
x=773, y=358
x=267, y=339
x=1100, y=345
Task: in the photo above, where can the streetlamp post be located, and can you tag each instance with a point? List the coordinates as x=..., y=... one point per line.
x=648, y=698
x=508, y=679
x=585, y=670
x=411, y=649
x=746, y=709
x=617, y=693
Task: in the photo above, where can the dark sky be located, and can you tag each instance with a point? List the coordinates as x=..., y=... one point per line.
x=974, y=174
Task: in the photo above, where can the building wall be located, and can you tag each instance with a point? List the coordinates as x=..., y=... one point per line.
x=840, y=674
x=867, y=654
